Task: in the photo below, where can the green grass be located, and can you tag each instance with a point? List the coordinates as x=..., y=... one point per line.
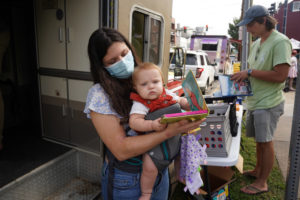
x=276, y=181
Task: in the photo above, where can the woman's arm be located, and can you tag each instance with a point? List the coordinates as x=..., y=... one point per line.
x=114, y=137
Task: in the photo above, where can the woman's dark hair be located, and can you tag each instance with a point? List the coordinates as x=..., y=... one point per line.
x=117, y=89
x=270, y=21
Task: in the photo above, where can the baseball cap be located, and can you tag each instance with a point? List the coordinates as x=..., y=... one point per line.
x=253, y=12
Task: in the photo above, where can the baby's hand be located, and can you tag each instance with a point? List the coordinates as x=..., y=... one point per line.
x=157, y=126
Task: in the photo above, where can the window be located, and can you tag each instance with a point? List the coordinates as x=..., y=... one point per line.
x=173, y=61
x=137, y=37
x=296, y=6
x=191, y=59
x=202, y=60
x=109, y=13
x=209, y=47
x=154, y=41
x=146, y=36
x=177, y=57
x=207, y=60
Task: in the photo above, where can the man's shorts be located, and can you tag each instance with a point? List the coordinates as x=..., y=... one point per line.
x=262, y=123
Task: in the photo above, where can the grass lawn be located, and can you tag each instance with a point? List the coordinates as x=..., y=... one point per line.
x=276, y=182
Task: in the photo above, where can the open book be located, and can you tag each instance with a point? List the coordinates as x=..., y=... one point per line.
x=231, y=88
x=199, y=109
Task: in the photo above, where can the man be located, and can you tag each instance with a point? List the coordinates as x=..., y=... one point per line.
x=269, y=63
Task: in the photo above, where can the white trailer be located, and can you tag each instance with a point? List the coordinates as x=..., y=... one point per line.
x=217, y=48
x=51, y=150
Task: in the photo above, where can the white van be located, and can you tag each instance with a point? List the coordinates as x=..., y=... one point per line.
x=198, y=62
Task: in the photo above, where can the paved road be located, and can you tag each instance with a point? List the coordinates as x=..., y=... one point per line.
x=283, y=135
x=215, y=87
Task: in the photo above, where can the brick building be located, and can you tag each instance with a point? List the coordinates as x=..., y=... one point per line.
x=293, y=18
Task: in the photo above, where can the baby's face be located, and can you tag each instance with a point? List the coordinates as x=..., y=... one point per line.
x=149, y=84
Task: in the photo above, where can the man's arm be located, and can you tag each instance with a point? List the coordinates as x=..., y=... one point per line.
x=277, y=75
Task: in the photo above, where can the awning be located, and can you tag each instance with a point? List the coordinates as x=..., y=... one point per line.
x=209, y=41
x=295, y=43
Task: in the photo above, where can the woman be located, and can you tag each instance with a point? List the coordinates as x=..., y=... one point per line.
x=112, y=61
x=293, y=70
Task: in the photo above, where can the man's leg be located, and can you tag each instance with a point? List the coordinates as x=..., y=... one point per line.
x=250, y=132
x=267, y=161
x=258, y=165
x=255, y=172
x=265, y=122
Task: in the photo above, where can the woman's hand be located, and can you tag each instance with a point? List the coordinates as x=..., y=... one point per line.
x=182, y=126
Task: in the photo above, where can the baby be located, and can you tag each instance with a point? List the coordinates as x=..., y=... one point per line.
x=151, y=95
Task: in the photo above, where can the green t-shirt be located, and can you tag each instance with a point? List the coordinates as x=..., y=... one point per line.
x=275, y=50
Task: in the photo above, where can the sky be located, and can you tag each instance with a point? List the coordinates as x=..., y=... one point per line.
x=217, y=14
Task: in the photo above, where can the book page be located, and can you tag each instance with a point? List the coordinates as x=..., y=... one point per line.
x=199, y=109
x=231, y=88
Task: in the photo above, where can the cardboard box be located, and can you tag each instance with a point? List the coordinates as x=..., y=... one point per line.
x=219, y=180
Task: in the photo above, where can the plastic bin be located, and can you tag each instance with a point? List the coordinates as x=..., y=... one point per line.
x=215, y=132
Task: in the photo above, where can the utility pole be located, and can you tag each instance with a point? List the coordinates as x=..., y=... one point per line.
x=292, y=181
x=285, y=16
x=245, y=37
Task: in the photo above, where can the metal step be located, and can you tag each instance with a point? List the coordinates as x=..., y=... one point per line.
x=74, y=175
x=77, y=188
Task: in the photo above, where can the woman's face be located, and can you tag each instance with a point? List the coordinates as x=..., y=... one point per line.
x=115, y=53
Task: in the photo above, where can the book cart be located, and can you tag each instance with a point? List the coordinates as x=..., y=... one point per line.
x=230, y=160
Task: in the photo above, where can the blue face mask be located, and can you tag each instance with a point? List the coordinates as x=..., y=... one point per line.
x=123, y=68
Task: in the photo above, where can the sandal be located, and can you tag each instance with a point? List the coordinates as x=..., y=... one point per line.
x=252, y=190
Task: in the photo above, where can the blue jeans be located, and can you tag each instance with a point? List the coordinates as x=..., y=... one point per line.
x=127, y=185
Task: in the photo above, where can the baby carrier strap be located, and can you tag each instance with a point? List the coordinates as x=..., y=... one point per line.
x=162, y=155
x=131, y=165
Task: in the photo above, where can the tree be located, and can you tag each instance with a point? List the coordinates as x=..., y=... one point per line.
x=233, y=30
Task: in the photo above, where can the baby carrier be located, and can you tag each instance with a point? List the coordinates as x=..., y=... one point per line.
x=162, y=155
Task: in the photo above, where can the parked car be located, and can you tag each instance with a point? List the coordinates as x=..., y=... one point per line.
x=198, y=62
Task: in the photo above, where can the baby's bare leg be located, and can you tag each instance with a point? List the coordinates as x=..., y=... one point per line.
x=148, y=177
x=177, y=168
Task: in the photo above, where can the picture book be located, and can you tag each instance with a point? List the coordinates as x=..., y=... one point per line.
x=231, y=88
x=199, y=109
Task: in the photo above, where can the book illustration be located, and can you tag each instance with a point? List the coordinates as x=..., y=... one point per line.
x=199, y=109
x=193, y=93
x=232, y=88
